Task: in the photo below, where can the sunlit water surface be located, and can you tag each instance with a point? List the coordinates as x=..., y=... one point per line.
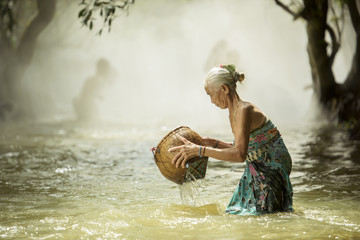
x=60, y=181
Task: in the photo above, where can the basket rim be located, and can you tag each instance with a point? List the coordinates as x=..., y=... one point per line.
x=170, y=133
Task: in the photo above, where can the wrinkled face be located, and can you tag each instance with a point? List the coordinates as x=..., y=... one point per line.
x=217, y=95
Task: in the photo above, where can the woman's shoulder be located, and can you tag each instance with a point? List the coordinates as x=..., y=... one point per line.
x=244, y=112
x=251, y=108
x=247, y=108
x=253, y=113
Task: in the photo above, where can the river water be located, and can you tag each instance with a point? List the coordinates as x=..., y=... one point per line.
x=65, y=181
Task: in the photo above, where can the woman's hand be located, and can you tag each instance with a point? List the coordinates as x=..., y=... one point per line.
x=186, y=152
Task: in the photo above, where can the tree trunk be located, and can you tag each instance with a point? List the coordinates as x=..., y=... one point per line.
x=323, y=79
x=46, y=11
x=18, y=59
x=340, y=100
x=352, y=82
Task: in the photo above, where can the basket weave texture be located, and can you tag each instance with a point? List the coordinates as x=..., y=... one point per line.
x=195, y=167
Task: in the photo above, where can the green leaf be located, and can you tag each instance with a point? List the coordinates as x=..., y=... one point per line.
x=87, y=18
x=82, y=12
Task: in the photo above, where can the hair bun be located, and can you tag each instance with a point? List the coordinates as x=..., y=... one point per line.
x=240, y=77
x=235, y=75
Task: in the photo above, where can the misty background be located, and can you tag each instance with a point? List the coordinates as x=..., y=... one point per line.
x=160, y=54
x=77, y=127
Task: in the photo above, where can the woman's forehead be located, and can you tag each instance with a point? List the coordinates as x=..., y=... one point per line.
x=209, y=89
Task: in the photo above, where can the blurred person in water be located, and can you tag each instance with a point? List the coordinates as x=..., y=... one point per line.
x=265, y=186
x=86, y=104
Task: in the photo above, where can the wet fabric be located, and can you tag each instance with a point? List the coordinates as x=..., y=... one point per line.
x=265, y=186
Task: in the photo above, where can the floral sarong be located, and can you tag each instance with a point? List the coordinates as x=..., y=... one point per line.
x=265, y=186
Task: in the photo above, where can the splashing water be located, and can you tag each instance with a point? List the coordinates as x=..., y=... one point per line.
x=191, y=189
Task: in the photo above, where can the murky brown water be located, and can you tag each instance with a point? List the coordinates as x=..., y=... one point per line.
x=66, y=182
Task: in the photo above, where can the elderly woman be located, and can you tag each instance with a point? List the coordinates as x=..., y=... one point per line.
x=265, y=186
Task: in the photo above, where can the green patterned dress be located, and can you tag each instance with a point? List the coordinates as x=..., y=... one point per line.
x=265, y=186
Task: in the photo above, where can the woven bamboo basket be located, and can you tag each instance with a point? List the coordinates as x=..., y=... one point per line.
x=195, y=167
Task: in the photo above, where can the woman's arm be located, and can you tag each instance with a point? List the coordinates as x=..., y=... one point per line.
x=216, y=143
x=190, y=150
x=237, y=153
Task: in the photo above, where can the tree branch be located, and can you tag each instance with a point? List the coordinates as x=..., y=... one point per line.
x=354, y=14
x=335, y=44
x=106, y=10
x=336, y=20
x=287, y=9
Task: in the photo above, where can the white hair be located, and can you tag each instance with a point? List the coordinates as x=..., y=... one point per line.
x=218, y=76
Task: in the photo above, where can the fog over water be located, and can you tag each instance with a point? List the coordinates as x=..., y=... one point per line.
x=160, y=54
x=61, y=179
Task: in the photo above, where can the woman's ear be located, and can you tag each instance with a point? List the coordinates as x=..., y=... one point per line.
x=225, y=88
